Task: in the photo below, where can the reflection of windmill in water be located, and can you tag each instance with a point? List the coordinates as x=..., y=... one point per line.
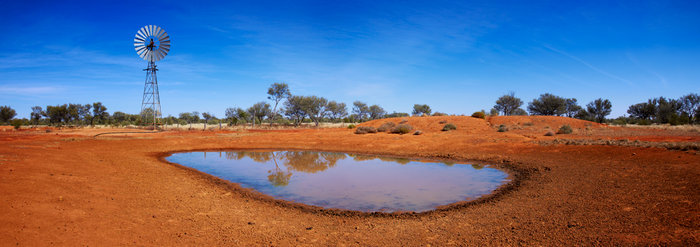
x=278, y=177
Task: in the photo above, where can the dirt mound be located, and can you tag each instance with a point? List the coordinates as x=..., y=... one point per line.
x=533, y=125
x=436, y=123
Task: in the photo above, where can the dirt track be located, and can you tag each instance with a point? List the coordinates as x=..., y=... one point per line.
x=68, y=188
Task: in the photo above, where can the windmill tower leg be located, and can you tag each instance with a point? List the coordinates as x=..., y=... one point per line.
x=150, y=103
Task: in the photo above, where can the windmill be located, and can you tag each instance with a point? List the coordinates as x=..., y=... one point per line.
x=152, y=43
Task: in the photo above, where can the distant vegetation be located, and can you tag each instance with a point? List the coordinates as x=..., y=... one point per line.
x=285, y=108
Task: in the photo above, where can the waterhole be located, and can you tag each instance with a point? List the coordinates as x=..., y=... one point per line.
x=349, y=181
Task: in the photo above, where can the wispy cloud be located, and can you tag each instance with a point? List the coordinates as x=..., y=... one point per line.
x=590, y=66
x=29, y=91
x=658, y=76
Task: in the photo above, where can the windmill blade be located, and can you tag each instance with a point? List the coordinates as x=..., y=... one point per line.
x=142, y=32
x=141, y=50
x=148, y=30
x=156, y=31
x=140, y=35
x=162, y=53
x=159, y=56
x=138, y=41
x=162, y=35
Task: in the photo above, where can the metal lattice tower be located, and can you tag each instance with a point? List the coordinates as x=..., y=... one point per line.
x=150, y=103
x=152, y=43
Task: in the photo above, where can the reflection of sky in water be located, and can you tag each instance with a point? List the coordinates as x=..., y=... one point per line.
x=348, y=181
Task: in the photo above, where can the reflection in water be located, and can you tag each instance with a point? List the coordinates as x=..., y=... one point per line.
x=365, y=182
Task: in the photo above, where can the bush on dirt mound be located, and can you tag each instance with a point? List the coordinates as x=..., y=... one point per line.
x=365, y=130
x=449, y=127
x=402, y=129
x=386, y=127
x=566, y=129
x=479, y=114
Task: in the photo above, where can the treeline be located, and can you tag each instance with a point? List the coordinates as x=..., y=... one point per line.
x=284, y=108
x=684, y=110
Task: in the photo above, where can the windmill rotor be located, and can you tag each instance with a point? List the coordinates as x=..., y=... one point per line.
x=152, y=43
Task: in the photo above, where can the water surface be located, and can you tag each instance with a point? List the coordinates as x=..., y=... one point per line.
x=348, y=181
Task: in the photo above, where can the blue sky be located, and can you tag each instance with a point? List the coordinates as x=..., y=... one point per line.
x=458, y=57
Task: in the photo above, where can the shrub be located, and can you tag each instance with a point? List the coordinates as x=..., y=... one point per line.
x=402, y=129
x=479, y=114
x=549, y=133
x=351, y=126
x=386, y=127
x=566, y=129
x=443, y=122
x=17, y=123
x=365, y=130
x=502, y=128
x=418, y=132
x=403, y=121
x=449, y=127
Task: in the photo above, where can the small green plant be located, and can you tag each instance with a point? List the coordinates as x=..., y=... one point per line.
x=566, y=129
x=418, y=132
x=402, y=129
x=549, y=133
x=365, y=130
x=479, y=115
x=502, y=128
x=386, y=127
x=17, y=123
x=351, y=126
x=449, y=127
x=403, y=121
x=443, y=122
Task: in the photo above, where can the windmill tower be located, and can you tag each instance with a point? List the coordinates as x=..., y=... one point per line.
x=152, y=43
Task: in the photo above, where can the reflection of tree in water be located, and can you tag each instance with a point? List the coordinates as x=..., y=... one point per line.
x=256, y=156
x=311, y=162
x=361, y=157
x=477, y=166
x=278, y=177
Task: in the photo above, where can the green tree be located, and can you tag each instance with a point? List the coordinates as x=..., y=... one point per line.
x=294, y=109
x=337, y=110
x=644, y=111
x=690, y=105
x=376, y=112
x=7, y=113
x=207, y=116
x=315, y=108
x=36, y=114
x=99, y=112
x=259, y=111
x=547, y=104
x=571, y=107
x=420, y=110
x=277, y=92
x=508, y=104
x=599, y=108
x=361, y=110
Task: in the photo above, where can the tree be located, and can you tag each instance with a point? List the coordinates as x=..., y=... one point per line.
x=99, y=112
x=187, y=117
x=690, y=104
x=360, y=109
x=207, y=116
x=58, y=114
x=259, y=111
x=337, y=110
x=315, y=108
x=599, y=108
x=376, y=112
x=571, y=107
x=7, y=113
x=294, y=109
x=278, y=92
x=236, y=114
x=507, y=104
x=547, y=104
x=666, y=109
x=120, y=117
x=519, y=112
x=396, y=114
x=420, y=110
x=644, y=111
x=36, y=114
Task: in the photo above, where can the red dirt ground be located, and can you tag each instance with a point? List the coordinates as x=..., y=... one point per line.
x=65, y=187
